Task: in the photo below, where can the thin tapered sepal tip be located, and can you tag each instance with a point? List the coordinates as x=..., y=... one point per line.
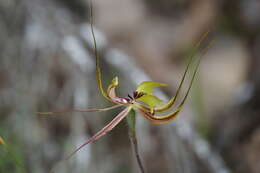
x=79, y=110
x=44, y=113
x=104, y=130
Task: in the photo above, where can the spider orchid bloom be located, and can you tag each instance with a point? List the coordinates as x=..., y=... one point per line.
x=141, y=100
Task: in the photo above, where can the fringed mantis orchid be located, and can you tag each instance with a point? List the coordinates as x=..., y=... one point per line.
x=141, y=100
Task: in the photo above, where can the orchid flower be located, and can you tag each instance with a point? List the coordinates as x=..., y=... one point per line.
x=141, y=100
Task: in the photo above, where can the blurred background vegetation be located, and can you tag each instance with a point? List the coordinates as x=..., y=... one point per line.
x=47, y=63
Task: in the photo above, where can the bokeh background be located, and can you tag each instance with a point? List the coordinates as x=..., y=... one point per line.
x=47, y=64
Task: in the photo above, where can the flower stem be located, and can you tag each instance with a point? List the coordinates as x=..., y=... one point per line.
x=131, y=120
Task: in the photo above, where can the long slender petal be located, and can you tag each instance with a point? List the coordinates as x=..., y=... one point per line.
x=170, y=116
x=77, y=110
x=104, y=130
x=98, y=70
x=172, y=101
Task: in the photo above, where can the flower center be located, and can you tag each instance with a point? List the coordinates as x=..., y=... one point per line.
x=129, y=99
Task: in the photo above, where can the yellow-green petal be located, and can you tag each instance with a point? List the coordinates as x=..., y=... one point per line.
x=148, y=86
x=150, y=100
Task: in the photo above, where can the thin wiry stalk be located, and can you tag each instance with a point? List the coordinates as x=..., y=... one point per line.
x=137, y=155
x=131, y=120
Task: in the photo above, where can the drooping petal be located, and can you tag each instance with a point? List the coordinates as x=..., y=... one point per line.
x=148, y=86
x=170, y=116
x=104, y=130
x=77, y=110
x=172, y=101
x=98, y=70
x=159, y=119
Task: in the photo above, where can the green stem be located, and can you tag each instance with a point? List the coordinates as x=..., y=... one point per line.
x=131, y=120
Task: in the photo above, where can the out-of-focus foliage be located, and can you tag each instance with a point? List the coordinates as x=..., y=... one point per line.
x=2, y=142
